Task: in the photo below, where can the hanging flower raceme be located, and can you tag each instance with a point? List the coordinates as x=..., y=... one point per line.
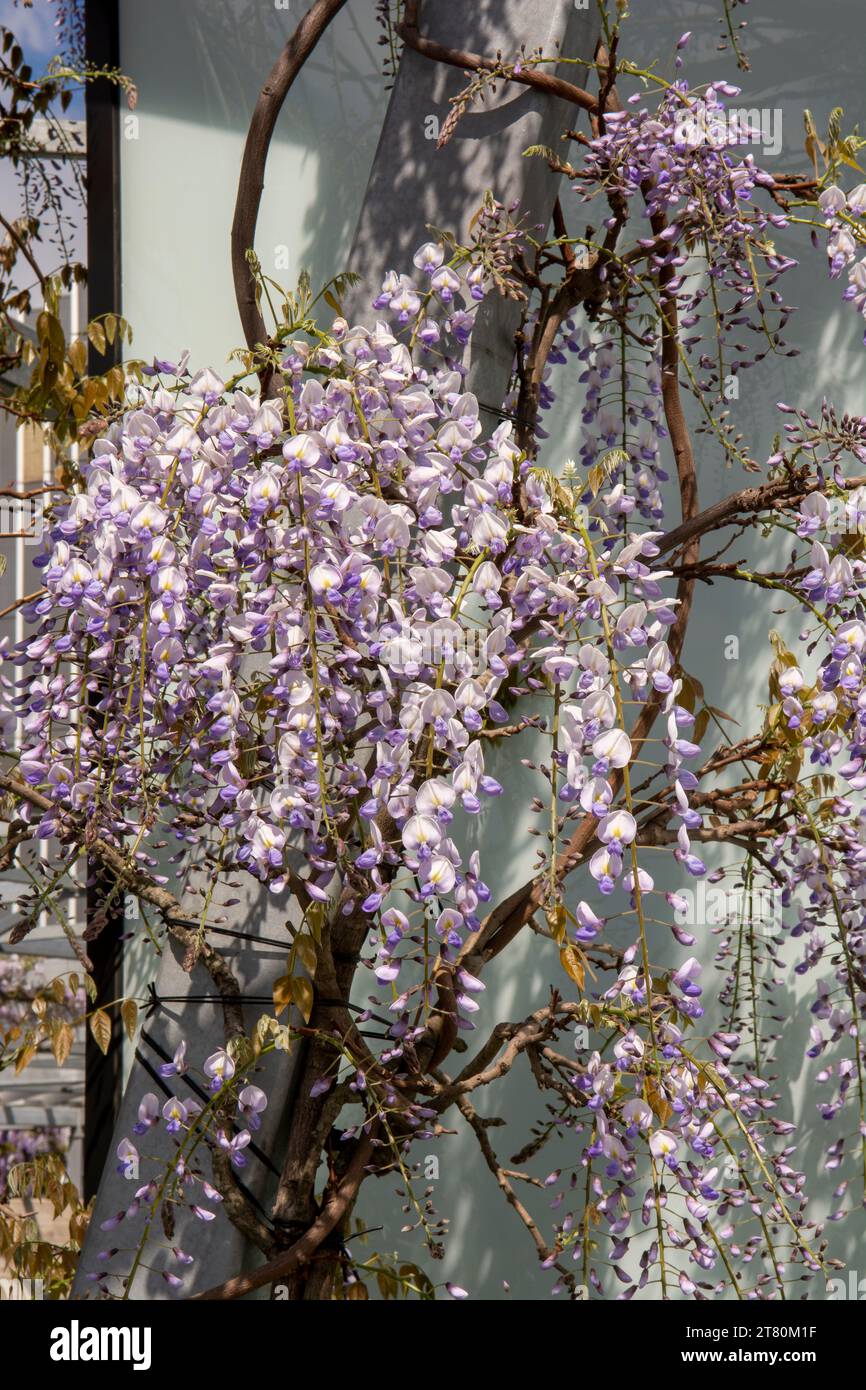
x=176, y=1182
x=300, y=625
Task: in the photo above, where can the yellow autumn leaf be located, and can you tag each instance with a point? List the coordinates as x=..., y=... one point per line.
x=129, y=1014
x=25, y=1057
x=306, y=949
x=282, y=993
x=61, y=1043
x=572, y=964
x=100, y=1028
x=302, y=990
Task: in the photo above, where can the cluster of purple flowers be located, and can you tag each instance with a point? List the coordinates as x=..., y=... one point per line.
x=301, y=622
x=279, y=607
x=684, y=164
x=844, y=213
x=184, y=1186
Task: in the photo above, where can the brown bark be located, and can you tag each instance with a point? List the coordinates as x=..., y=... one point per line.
x=473, y=62
x=252, y=177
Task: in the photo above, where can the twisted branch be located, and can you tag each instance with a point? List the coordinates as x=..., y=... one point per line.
x=252, y=177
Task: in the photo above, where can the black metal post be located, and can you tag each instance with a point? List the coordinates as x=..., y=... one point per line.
x=103, y=1073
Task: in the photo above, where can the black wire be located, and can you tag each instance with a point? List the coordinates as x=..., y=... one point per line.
x=157, y=999
x=499, y=412
x=250, y=1196
x=199, y=1091
x=246, y=936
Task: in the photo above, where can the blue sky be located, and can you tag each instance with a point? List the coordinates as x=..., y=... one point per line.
x=33, y=26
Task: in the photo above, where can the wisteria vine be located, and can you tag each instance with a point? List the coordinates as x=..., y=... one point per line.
x=290, y=630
